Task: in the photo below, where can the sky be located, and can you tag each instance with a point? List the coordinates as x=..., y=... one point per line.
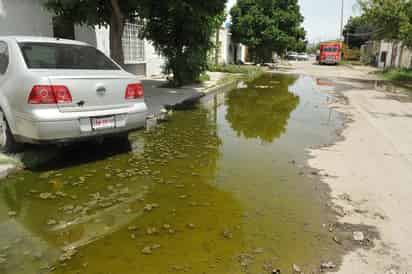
x=322, y=17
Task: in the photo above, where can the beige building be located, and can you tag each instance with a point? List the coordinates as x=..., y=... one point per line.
x=228, y=51
x=394, y=55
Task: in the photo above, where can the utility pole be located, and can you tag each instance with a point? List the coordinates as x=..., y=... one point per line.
x=341, y=19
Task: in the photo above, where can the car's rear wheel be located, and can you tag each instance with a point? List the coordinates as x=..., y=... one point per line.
x=7, y=142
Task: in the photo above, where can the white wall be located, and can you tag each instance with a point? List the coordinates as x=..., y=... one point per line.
x=24, y=17
x=2, y=10
x=154, y=61
x=385, y=47
x=227, y=48
x=103, y=39
x=29, y=17
x=241, y=53
x=224, y=37
x=85, y=34
x=394, y=57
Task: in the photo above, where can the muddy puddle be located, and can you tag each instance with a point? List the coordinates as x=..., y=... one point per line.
x=220, y=188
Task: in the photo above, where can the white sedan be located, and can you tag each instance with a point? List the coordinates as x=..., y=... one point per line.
x=54, y=90
x=302, y=56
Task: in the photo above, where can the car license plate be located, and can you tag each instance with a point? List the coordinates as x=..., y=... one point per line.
x=103, y=123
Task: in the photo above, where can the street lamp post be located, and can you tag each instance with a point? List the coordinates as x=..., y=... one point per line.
x=341, y=19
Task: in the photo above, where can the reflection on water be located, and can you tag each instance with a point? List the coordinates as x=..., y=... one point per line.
x=262, y=111
x=199, y=194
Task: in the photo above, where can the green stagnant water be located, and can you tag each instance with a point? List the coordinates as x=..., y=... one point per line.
x=217, y=189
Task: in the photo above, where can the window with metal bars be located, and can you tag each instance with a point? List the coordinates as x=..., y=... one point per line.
x=133, y=46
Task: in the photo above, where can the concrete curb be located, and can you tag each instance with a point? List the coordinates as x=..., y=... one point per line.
x=191, y=101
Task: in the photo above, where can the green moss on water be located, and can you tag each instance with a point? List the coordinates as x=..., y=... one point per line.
x=220, y=192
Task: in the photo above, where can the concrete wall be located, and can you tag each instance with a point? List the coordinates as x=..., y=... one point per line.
x=385, y=47
x=405, y=60
x=24, y=17
x=138, y=69
x=85, y=34
x=227, y=48
x=154, y=61
x=102, y=39
x=224, y=49
x=397, y=56
x=29, y=17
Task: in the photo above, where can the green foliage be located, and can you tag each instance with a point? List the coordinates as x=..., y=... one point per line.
x=267, y=26
x=352, y=63
x=232, y=68
x=248, y=72
x=92, y=12
x=358, y=31
x=181, y=30
x=263, y=109
x=313, y=48
x=391, y=18
x=398, y=75
x=351, y=54
x=300, y=46
x=204, y=77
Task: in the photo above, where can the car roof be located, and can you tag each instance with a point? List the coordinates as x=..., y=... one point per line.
x=42, y=39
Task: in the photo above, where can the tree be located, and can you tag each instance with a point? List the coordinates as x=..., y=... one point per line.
x=113, y=13
x=358, y=31
x=267, y=26
x=300, y=46
x=313, y=48
x=181, y=30
x=391, y=18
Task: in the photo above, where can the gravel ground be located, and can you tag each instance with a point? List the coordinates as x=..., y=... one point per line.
x=370, y=170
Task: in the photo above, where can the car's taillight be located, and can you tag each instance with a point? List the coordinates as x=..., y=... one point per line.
x=50, y=95
x=134, y=91
x=62, y=94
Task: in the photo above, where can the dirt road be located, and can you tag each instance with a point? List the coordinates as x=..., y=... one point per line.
x=370, y=170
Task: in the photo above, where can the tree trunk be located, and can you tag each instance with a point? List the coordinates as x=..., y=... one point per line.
x=177, y=66
x=177, y=72
x=116, y=33
x=217, y=49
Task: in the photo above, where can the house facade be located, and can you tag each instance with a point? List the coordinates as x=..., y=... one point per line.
x=393, y=55
x=230, y=52
x=29, y=17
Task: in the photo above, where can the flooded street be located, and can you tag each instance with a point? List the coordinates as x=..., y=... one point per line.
x=220, y=188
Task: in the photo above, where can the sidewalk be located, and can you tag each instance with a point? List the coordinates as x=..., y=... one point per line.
x=157, y=97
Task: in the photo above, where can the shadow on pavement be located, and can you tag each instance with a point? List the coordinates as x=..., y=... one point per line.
x=157, y=97
x=45, y=158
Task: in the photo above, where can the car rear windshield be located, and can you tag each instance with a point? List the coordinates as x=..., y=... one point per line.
x=64, y=56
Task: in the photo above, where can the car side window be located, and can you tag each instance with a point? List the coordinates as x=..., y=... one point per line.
x=4, y=58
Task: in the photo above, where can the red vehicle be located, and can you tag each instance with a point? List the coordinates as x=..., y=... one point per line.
x=330, y=53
